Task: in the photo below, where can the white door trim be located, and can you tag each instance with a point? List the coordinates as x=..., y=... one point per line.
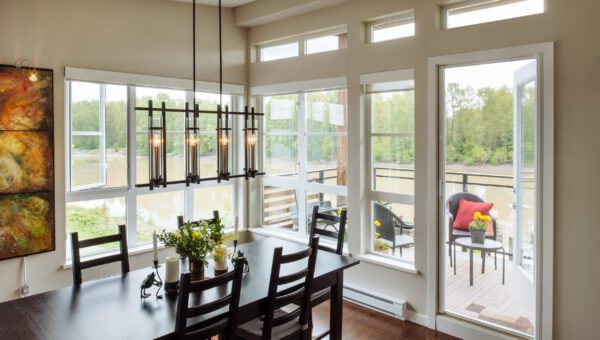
x=544, y=271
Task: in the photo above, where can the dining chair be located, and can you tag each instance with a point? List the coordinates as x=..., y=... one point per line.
x=325, y=294
x=277, y=323
x=221, y=312
x=122, y=256
x=215, y=218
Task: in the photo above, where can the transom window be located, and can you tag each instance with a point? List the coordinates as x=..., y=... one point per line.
x=324, y=41
x=396, y=27
x=472, y=12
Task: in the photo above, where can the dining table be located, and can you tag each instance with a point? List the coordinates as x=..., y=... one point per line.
x=112, y=308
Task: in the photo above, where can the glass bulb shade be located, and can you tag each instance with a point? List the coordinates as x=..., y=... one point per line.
x=224, y=140
x=193, y=140
x=156, y=141
x=252, y=138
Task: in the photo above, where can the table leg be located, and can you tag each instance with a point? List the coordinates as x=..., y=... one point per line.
x=482, y=261
x=503, y=262
x=335, y=312
x=471, y=266
x=454, y=260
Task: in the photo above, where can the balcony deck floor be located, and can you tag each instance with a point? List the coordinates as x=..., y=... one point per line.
x=487, y=299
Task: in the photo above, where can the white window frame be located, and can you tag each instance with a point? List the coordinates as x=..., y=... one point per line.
x=131, y=191
x=298, y=183
x=401, y=80
x=407, y=16
x=301, y=40
x=445, y=9
x=544, y=53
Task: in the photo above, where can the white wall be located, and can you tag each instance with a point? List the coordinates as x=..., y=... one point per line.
x=151, y=37
x=573, y=25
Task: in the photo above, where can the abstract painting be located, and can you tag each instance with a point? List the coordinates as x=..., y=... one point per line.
x=26, y=162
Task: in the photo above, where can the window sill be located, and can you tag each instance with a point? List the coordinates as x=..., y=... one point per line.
x=390, y=263
x=142, y=249
x=291, y=236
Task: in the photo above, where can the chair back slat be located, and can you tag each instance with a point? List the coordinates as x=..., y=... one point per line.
x=209, y=307
x=216, y=217
x=338, y=235
x=297, y=293
x=223, y=324
x=295, y=256
x=293, y=277
x=122, y=257
x=99, y=240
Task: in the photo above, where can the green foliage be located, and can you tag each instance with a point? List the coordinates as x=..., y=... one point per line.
x=92, y=222
x=479, y=124
x=195, y=240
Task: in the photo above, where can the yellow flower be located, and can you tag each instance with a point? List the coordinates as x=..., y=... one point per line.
x=339, y=211
x=477, y=215
x=195, y=235
x=377, y=223
x=486, y=218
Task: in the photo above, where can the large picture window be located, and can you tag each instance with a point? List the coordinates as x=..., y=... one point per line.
x=305, y=156
x=104, y=171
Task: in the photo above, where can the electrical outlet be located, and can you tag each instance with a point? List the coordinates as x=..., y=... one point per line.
x=24, y=290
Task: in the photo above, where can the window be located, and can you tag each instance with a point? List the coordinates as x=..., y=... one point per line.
x=326, y=43
x=100, y=163
x=391, y=111
x=305, y=155
x=276, y=52
x=98, y=145
x=392, y=28
x=472, y=12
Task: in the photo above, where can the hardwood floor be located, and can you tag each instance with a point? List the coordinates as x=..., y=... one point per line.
x=363, y=323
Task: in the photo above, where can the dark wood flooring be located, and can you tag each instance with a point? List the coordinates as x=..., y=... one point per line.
x=363, y=323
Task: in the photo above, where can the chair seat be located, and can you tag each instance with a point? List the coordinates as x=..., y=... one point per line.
x=253, y=329
x=457, y=232
x=404, y=240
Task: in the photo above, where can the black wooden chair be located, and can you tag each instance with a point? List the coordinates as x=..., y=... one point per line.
x=389, y=223
x=221, y=314
x=323, y=295
x=215, y=218
x=122, y=257
x=452, y=209
x=277, y=323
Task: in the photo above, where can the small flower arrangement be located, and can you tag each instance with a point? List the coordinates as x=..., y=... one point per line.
x=221, y=253
x=379, y=245
x=480, y=222
x=195, y=240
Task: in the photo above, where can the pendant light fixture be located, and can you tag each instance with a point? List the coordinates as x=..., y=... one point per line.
x=157, y=136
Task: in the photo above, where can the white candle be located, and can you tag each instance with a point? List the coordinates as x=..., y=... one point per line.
x=172, y=270
x=154, y=246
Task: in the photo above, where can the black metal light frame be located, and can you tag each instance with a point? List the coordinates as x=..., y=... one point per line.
x=192, y=159
x=157, y=150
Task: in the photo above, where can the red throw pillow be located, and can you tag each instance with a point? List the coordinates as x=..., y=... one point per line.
x=466, y=210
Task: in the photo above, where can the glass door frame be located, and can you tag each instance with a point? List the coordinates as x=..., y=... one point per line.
x=544, y=53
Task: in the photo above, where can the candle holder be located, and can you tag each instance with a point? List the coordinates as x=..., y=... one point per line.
x=250, y=138
x=153, y=279
x=192, y=144
x=223, y=144
x=157, y=138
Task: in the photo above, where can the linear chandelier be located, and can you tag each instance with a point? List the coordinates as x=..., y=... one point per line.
x=157, y=132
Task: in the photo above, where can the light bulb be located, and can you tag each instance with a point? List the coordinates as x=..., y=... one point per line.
x=156, y=141
x=224, y=140
x=33, y=77
x=252, y=139
x=193, y=141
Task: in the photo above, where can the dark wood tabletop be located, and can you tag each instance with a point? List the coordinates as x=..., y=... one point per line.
x=111, y=307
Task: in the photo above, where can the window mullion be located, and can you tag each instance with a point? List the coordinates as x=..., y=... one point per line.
x=103, y=161
x=302, y=177
x=131, y=201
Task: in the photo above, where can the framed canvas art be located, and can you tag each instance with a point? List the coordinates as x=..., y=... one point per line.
x=26, y=162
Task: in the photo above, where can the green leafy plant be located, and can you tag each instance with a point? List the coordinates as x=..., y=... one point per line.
x=195, y=240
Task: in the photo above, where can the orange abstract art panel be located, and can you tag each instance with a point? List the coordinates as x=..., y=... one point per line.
x=26, y=162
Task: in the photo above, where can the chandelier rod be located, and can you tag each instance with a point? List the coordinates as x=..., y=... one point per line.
x=220, y=58
x=194, y=54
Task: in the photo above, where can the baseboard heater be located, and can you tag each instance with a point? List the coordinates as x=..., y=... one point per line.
x=376, y=301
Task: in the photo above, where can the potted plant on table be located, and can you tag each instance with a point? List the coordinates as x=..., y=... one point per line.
x=479, y=227
x=195, y=240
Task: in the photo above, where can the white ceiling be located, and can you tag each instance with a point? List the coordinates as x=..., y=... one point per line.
x=224, y=3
